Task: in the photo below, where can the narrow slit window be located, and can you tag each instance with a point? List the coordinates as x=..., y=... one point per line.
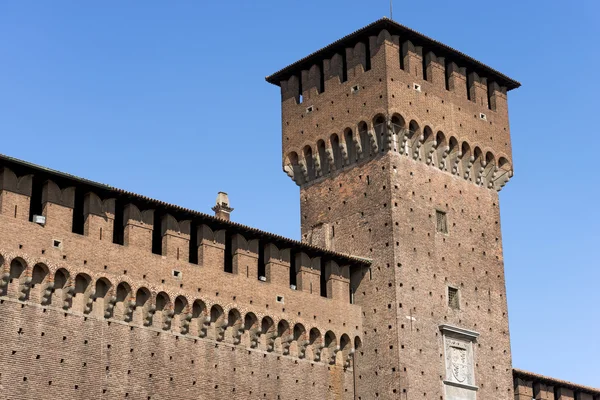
x=441, y=222
x=453, y=300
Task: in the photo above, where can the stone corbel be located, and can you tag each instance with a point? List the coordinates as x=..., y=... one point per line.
x=456, y=162
x=148, y=313
x=204, y=324
x=431, y=152
x=167, y=318
x=220, y=328
x=67, y=296
x=357, y=144
x=344, y=151
x=110, y=305
x=317, y=164
x=329, y=154
x=24, y=284
x=185, y=323
x=373, y=138
x=46, y=292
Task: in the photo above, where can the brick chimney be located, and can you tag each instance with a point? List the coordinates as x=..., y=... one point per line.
x=222, y=209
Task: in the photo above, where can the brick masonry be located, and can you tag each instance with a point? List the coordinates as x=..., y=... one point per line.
x=399, y=152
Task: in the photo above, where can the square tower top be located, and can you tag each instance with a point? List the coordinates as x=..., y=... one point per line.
x=389, y=88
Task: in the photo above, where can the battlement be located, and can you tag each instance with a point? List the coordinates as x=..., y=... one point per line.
x=108, y=253
x=420, y=56
x=386, y=88
x=529, y=385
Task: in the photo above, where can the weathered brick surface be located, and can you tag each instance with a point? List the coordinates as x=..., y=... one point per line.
x=196, y=307
x=49, y=354
x=133, y=321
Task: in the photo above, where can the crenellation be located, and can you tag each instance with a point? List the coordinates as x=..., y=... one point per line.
x=290, y=90
x=57, y=206
x=396, y=290
x=497, y=98
x=333, y=70
x=99, y=217
x=175, y=238
x=211, y=248
x=245, y=256
x=478, y=90
x=356, y=60
x=15, y=194
x=138, y=227
x=457, y=79
x=308, y=273
x=311, y=82
x=435, y=70
x=277, y=265
x=562, y=393
x=412, y=57
x=338, y=281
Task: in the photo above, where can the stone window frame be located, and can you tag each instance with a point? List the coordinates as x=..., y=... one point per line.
x=458, y=296
x=444, y=214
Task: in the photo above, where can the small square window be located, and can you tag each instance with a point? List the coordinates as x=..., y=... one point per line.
x=309, y=109
x=279, y=299
x=441, y=221
x=355, y=88
x=453, y=300
x=482, y=116
x=417, y=87
x=177, y=274
x=57, y=244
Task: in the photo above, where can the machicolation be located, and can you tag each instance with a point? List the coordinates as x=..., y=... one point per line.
x=399, y=144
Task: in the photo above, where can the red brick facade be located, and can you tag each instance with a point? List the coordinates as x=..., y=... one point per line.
x=399, y=144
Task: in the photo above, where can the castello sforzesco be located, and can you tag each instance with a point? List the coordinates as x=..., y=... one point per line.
x=400, y=146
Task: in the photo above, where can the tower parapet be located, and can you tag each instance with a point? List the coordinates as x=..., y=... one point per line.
x=388, y=88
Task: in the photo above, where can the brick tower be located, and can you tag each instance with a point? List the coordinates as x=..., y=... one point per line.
x=400, y=145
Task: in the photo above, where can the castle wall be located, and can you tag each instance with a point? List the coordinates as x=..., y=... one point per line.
x=537, y=387
x=248, y=337
x=48, y=353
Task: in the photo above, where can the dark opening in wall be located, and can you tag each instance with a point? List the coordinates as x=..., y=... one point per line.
x=447, y=75
x=322, y=77
x=262, y=270
x=293, y=280
x=77, y=224
x=441, y=221
x=489, y=97
x=323, y=280
x=424, y=60
x=367, y=55
x=35, y=201
x=299, y=100
x=228, y=264
x=469, y=81
x=453, y=299
x=344, y=67
x=118, y=228
x=156, y=232
x=401, y=52
x=193, y=243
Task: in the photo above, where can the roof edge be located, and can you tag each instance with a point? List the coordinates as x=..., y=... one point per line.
x=554, y=381
x=385, y=22
x=349, y=257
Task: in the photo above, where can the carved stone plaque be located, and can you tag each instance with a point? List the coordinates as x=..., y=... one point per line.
x=459, y=362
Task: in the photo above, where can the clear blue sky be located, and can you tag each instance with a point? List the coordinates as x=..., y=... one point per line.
x=170, y=101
